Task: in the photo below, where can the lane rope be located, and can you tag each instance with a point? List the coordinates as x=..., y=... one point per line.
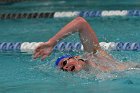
x=68, y=14
x=29, y=47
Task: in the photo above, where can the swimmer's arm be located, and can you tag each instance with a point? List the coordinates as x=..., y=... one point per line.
x=87, y=35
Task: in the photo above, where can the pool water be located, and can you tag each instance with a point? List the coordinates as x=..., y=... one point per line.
x=67, y=5
x=19, y=73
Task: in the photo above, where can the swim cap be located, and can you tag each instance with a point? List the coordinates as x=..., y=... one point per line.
x=60, y=58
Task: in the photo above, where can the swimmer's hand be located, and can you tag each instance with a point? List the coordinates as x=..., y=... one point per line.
x=43, y=50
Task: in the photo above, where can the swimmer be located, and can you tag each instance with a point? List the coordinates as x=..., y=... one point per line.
x=95, y=56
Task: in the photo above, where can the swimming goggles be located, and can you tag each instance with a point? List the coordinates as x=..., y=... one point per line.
x=64, y=63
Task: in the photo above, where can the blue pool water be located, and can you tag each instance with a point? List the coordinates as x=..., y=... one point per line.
x=19, y=73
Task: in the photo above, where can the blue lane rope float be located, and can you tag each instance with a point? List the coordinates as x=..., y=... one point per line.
x=104, y=13
x=4, y=46
x=29, y=47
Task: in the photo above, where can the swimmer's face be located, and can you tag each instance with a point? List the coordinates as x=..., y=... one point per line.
x=71, y=64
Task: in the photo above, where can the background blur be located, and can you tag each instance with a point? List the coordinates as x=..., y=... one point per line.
x=64, y=5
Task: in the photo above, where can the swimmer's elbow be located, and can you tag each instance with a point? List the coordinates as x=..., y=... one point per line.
x=81, y=20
